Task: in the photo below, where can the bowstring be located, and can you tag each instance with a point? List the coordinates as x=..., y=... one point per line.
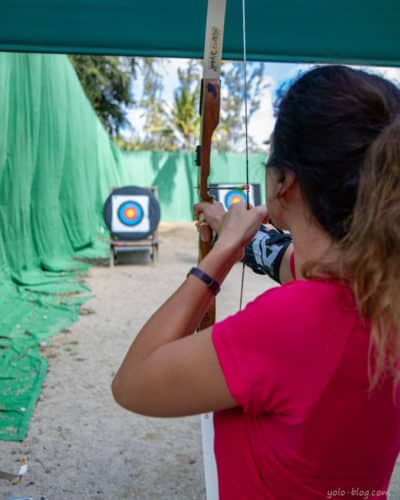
x=245, y=89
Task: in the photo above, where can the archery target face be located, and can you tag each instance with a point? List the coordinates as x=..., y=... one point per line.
x=230, y=195
x=234, y=196
x=130, y=213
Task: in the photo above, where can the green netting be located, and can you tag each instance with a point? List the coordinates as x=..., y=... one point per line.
x=21, y=377
x=57, y=166
x=27, y=318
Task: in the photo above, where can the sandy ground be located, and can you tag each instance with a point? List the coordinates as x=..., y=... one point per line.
x=81, y=445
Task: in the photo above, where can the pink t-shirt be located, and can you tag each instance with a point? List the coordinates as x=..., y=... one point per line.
x=295, y=361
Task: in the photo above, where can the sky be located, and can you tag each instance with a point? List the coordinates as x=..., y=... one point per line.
x=262, y=122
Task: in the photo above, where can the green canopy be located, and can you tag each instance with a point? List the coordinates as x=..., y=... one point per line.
x=356, y=31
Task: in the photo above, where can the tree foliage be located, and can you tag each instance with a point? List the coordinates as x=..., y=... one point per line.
x=242, y=89
x=106, y=81
x=110, y=81
x=184, y=116
x=175, y=126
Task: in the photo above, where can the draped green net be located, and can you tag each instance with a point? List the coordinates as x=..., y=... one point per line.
x=56, y=166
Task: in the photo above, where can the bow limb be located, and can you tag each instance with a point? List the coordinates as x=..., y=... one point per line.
x=209, y=110
x=210, y=118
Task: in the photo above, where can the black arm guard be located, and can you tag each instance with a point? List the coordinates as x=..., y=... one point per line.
x=265, y=251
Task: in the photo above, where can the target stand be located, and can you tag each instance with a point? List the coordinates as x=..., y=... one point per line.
x=132, y=215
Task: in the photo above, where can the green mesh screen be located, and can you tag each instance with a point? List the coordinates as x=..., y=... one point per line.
x=56, y=167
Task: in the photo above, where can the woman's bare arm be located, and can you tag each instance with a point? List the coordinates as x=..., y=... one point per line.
x=167, y=371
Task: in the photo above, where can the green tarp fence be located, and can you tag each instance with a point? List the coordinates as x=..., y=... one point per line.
x=57, y=166
x=175, y=175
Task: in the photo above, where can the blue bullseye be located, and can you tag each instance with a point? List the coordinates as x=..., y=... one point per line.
x=234, y=196
x=130, y=213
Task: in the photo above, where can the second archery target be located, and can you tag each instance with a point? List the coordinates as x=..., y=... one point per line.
x=234, y=193
x=131, y=213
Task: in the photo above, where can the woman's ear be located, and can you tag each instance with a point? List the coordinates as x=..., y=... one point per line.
x=286, y=182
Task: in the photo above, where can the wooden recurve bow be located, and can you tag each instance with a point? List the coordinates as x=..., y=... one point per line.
x=209, y=112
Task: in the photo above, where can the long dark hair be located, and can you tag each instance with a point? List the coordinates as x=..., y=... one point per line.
x=338, y=130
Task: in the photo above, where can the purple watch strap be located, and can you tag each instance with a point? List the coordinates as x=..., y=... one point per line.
x=212, y=284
